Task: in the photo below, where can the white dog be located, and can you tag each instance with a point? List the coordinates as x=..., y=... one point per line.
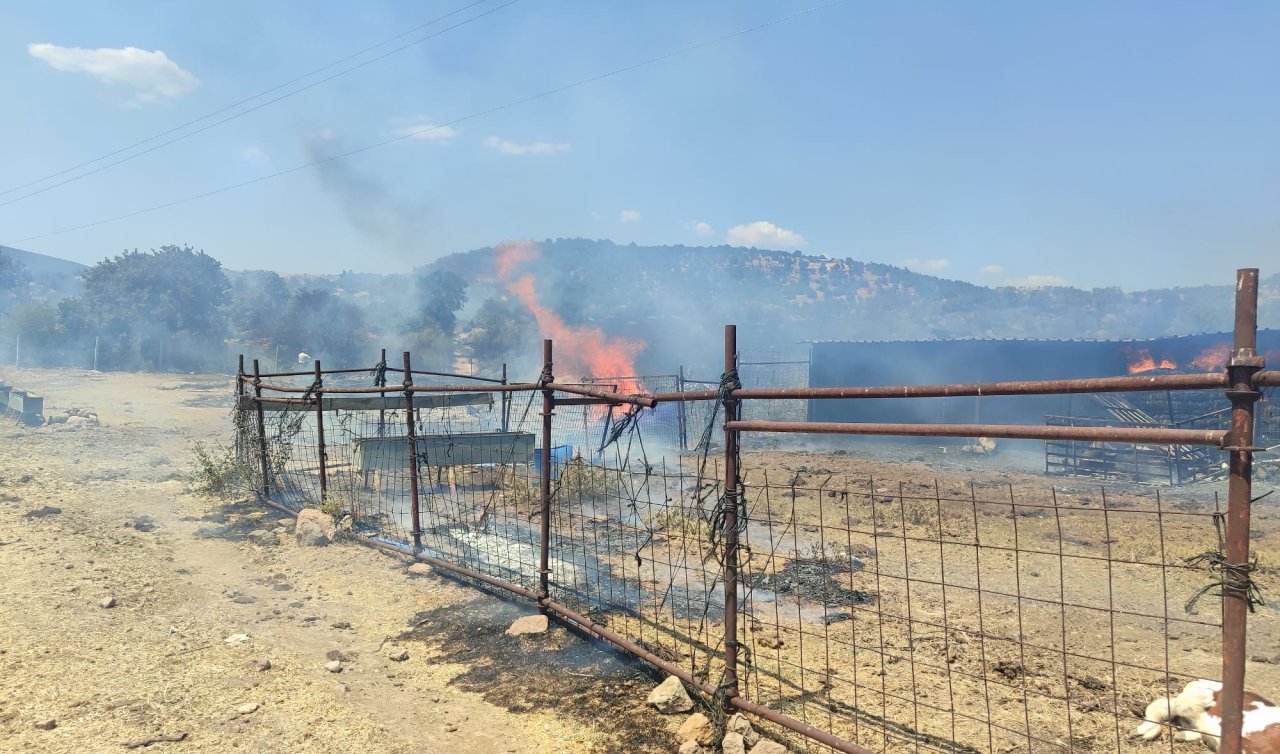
x=1196, y=715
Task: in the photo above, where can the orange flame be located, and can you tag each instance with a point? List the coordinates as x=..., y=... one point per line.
x=1144, y=363
x=580, y=351
x=1212, y=358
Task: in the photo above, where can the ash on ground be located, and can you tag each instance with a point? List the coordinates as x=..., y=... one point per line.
x=813, y=579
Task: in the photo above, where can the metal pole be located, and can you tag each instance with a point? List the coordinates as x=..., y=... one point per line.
x=506, y=401
x=95, y=356
x=262, y=431
x=731, y=502
x=548, y=410
x=681, y=418
x=382, y=412
x=239, y=396
x=320, y=451
x=413, y=454
x=1244, y=363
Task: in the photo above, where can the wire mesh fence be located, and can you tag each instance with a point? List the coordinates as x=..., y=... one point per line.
x=847, y=612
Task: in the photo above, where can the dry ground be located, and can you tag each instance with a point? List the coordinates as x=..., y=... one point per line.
x=157, y=664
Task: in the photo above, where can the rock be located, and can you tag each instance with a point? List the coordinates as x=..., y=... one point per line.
x=768, y=747
x=333, y=666
x=739, y=724
x=733, y=743
x=529, y=624
x=107, y=602
x=314, y=529
x=235, y=639
x=670, y=697
x=697, y=728
x=261, y=664
x=400, y=656
x=418, y=569
x=450, y=728
x=247, y=709
x=692, y=747
x=341, y=688
x=49, y=724
x=263, y=538
x=47, y=510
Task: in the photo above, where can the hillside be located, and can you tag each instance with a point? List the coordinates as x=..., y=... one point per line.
x=53, y=277
x=676, y=298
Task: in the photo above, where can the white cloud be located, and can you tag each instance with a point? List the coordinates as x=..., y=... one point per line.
x=328, y=134
x=993, y=269
x=1037, y=281
x=538, y=147
x=150, y=73
x=629, y=216
x=423, y=129
x=254, y=155
x=926, y=266
x=701, y=229
x=764, y=234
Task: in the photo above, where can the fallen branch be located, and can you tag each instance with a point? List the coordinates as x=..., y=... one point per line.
x=138, y=743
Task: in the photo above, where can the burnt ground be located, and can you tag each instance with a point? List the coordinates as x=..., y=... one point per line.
x=559, y=672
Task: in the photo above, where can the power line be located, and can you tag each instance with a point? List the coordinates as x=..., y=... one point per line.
x=449, y=124
x=250, y=99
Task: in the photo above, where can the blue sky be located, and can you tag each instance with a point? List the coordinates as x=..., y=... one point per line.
x=1132, y=144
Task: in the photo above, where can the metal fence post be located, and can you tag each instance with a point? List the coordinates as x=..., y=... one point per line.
x=239, y=396
x=411, y=425
x=548, y=410
x=731, y=502
x=262, y=431
x=1244, y=363
x=505, y=401
x=682, y=418
x=318, y=391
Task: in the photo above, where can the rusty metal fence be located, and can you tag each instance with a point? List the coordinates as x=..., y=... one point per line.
x=845, y=612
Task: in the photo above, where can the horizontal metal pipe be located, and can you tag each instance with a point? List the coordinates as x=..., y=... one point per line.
x=513, y=388
x=1266, y=378
x=1132, y=383
x=311, y=372
x=635, y=400
x=1155, y=436
x=584, y=402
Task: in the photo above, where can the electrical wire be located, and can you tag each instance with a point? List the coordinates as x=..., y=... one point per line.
x=449, y=124
x=246, y=100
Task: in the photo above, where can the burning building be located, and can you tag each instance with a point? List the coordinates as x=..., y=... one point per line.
x=834, y=364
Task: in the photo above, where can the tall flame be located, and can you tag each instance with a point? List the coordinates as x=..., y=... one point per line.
x=580, y=351
x=1144, y=363
x=1212, y=358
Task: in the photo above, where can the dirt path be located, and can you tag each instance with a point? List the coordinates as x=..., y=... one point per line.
x=158, y=664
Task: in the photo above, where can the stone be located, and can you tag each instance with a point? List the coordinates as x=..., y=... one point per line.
x=235, y=639
x=333, y=666
x=768, y=747
x=247, y=709
x=314, y=529
x=49, y=724
x=107, y=602
x=41, y=512
x=692, y=747
x=739, y=724
x=418, y=569
x=400, y=656
x=263, y=538
x=529, y=624
x=697, y=728
x=261, y=664
x=733, y=743
x=670, y=697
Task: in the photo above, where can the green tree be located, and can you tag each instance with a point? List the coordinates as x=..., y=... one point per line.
x=14, y=281
x=498, y=330
x=441, y=294
x=164, y=308
x=258, y=298
x=326, y=327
